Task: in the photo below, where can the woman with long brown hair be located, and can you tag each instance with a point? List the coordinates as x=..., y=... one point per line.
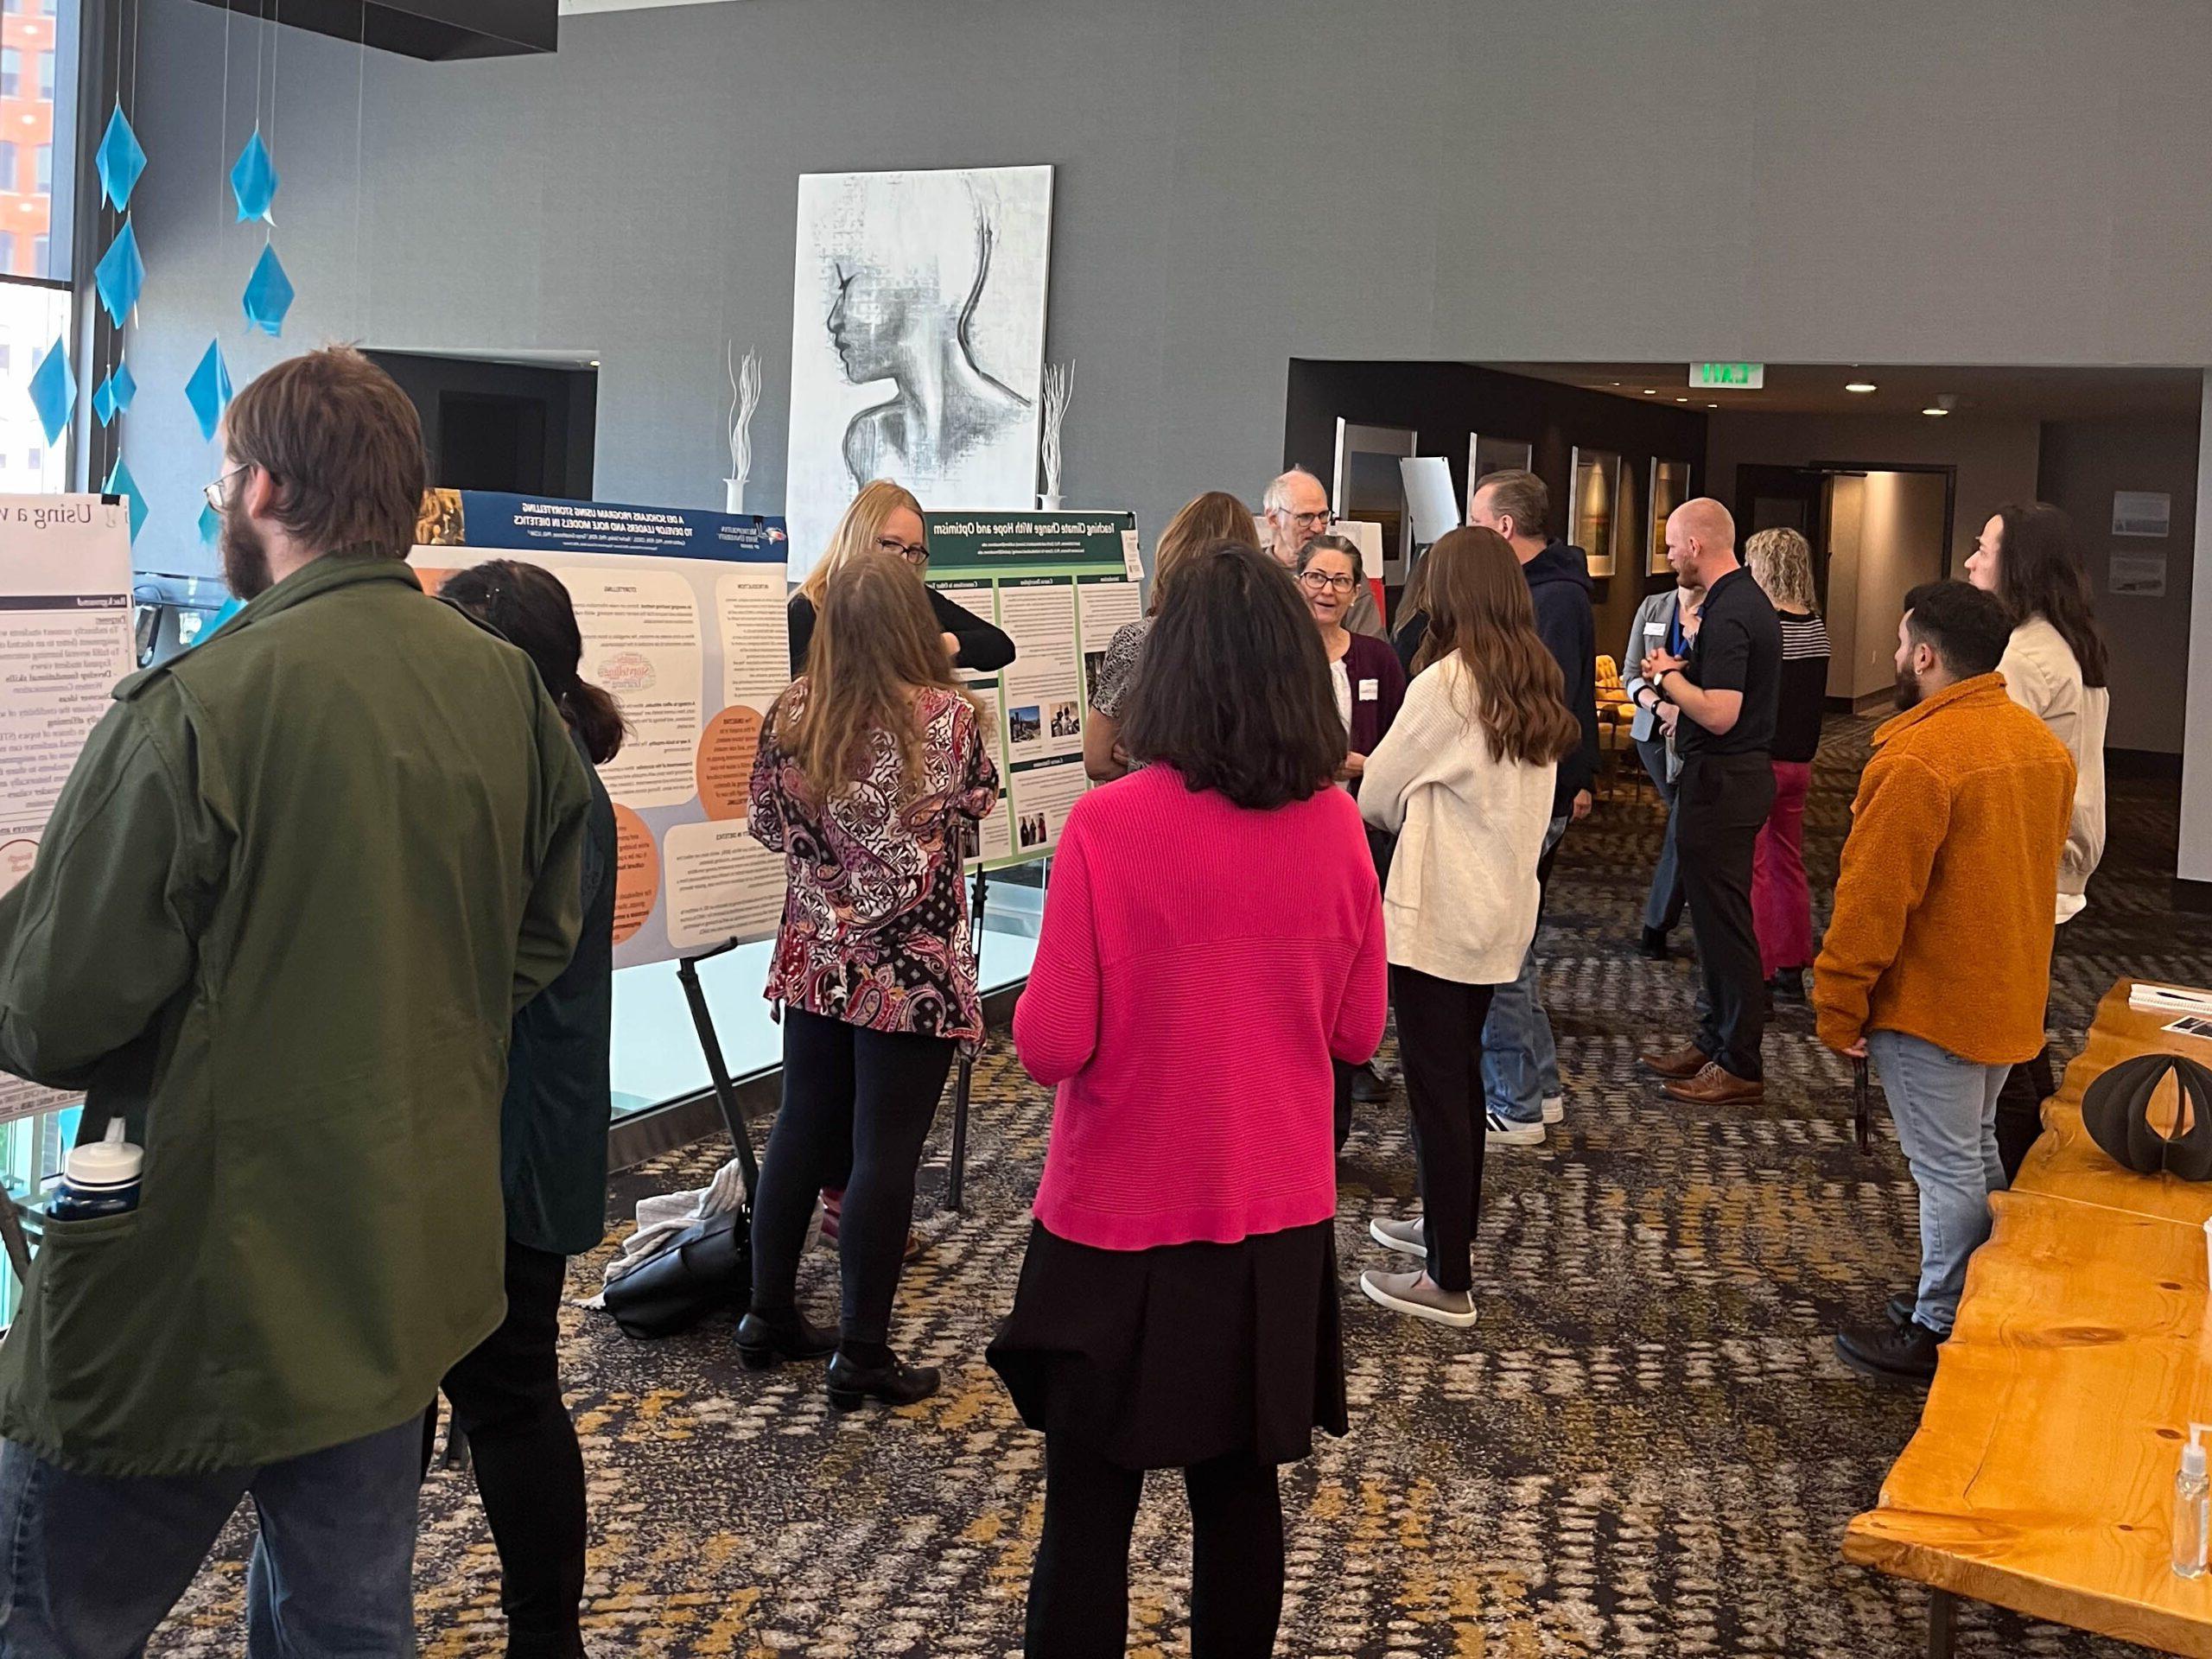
x=1214, y=519
x=872, y=766
x=1465, y=781
x=885, y=517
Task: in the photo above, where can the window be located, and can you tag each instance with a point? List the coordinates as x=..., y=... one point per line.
x=38, y=257
x=45, y=169
x=11, y=7
x=11, y=72
x=7, y=250
x=37, y=460
x=46, y=76
x=8, y=179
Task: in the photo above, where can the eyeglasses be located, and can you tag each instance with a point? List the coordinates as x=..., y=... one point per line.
x=216, y=493
x=1316, y=580
x=915, y=553
x=1321, y=520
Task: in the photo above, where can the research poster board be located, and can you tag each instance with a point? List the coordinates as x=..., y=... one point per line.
x=65, y=641
x=1059, y=583
x=683, y=618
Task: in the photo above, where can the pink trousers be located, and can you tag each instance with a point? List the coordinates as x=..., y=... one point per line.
x=1781, y=904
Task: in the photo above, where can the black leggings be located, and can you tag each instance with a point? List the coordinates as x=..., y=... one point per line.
x=507, y=1400
x=1079, y=1588
x=1441, y=1050
x=856, y=1099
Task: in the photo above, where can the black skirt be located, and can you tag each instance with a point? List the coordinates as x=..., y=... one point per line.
x=1167, y=1357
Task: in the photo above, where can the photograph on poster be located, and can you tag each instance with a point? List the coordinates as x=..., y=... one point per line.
x=1025, y=724
x=918, y=339
x=1067, y=720
x=1093, y=662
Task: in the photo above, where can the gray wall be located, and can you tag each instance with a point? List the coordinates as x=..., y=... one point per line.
x=1239, y=182
x=2083, y=463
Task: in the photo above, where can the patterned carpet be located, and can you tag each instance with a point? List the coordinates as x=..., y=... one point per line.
x=1647, y=1447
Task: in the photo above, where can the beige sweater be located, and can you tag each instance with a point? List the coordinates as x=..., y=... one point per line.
x=1461, y=903
x=2042, y=675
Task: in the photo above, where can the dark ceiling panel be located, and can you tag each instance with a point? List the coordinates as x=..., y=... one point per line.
x=435, y=30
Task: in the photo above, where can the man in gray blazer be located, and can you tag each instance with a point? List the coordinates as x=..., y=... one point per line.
x=1666, y=620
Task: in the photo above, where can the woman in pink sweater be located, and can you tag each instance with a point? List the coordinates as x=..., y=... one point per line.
x=1213, y=939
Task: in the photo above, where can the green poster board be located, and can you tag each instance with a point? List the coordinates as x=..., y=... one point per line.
x=1059, y=584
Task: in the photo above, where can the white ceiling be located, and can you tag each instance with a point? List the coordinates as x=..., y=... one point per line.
x=1817, y=389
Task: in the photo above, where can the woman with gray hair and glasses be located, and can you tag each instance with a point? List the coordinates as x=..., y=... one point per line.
x=1781, y=902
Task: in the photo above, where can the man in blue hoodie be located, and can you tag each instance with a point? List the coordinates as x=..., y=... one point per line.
x=1520, y=1061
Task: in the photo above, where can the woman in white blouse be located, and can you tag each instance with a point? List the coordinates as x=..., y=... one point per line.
x=1464, y=779
x=2055, y=666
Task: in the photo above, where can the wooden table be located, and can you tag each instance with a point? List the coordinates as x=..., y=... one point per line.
x=2065, y=1163
x=2041, y=1475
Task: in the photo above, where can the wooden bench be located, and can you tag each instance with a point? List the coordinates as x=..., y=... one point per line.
x=2041, y=1477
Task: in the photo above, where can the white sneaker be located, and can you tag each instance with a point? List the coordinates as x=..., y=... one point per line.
x=1502, y=1131
x=1404, y=1292
x=1555, y=1108
x=1404, y=1236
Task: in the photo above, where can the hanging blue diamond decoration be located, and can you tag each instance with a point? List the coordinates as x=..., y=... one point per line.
x=115, y=393
x=210, y=524
x=120, y=159
x=268, y=293
x=53, y=391
x=253, y=179
x=119, y=482
x=208, y=392
x=120, y=277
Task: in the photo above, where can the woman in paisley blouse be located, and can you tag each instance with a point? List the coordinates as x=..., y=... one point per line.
x=872, y=768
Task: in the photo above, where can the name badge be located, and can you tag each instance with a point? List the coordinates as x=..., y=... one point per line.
x=1370, y=690
x=1653, y=630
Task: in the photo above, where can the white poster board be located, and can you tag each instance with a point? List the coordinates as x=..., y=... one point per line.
x=683, y=621
x=65, y=641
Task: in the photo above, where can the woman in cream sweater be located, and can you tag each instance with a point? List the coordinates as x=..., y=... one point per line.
x=2054, y=667
x=1464, y=779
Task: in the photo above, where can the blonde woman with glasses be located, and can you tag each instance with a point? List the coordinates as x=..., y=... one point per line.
x=885, y=517
x=1781, y=902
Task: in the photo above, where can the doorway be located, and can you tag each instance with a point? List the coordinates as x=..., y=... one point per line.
x=519, y=428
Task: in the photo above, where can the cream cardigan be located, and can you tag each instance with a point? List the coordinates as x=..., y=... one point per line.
x=1461, y=902
x=2042, y=675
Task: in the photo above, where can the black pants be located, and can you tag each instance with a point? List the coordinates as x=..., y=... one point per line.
x=1080, y=1587
x=1441, y=1050
x=2019, y=1105
x=1721, y=802
x=506, y=1399
x=856, y=1099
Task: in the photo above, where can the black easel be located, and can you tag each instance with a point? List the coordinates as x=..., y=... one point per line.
x=733, y=1119
x=956, y=1180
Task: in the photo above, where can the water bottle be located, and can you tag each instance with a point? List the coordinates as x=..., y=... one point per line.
x=2192, y=1507
x=98, y=1178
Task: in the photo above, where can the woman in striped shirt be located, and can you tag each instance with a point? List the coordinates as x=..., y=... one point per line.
x=1782, y=903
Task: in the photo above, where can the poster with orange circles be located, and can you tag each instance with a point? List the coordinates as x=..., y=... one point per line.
x=681, y=616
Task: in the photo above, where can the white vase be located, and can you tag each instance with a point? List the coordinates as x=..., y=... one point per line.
x=1049, y=503
x=733, y=495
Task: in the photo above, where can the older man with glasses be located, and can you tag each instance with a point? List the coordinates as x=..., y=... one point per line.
x=1297, y=509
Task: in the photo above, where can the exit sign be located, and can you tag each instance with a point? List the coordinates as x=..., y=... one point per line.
x=1736, y=376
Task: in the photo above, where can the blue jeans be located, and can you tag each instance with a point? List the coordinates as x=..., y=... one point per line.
x=1520, y=1059
x=1946, y=1113
x=95, y=1562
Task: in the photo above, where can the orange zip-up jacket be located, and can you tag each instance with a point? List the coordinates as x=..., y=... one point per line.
x=1942, y=924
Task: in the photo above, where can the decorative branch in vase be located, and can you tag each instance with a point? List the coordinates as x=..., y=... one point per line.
x=745, y=399
x=1059, y=384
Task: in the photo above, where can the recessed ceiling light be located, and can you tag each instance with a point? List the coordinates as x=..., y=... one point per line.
x=1652, y=392
x=1712, y=405
x=1682, y=400
x=1616, y=382
x=1935, y=411
x=1859, y=385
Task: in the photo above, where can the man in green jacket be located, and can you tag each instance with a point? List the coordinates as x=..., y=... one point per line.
x=296, y=889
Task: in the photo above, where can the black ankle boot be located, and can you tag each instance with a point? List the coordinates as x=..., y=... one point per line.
x=875, y=1373
x=764, y=1338
x=1655, y=945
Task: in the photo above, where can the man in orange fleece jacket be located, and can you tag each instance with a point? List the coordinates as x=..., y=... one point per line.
x=1937, y=959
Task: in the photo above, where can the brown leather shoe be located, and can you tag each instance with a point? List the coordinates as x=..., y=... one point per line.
x=1677, y=1062
x=1716, y=1086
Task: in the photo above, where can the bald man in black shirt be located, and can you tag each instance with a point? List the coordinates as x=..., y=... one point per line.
x=1726, y=690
